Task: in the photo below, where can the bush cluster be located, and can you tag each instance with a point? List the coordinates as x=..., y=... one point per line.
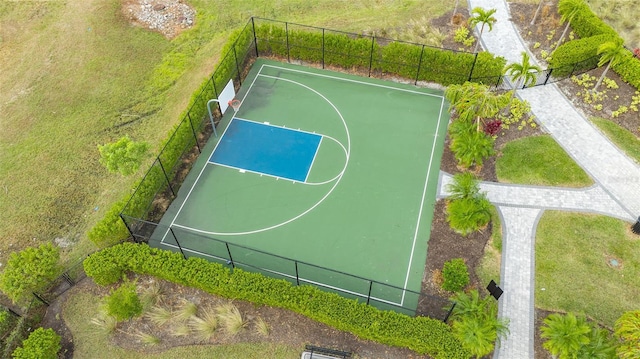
x=421, y=334
x=587, y=24
x=42, y=344
x=123, y=303
x=576, y=55
x=403, y=59
x=455, y=275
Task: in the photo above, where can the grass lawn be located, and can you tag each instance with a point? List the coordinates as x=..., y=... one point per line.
x=91, y=343
x=622, y=15
x=573, y=254
x=490, y=264
x=76, y=74
x=547, y=164
x=621, y=137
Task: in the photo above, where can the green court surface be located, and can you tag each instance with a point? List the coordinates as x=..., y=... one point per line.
x=365, y=206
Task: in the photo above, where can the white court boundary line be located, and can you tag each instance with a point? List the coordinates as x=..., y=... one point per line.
x=259, y=74
x=319, y=136
x=324, y=285
x=424, y=194
x=339, y=177
x=351, y=80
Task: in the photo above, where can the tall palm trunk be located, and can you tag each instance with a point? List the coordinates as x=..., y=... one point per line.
x=535, y=16
x=479, y=38
x=595, y=88
x=562, y=36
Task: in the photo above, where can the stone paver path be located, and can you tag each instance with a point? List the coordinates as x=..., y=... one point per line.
x=616, y=192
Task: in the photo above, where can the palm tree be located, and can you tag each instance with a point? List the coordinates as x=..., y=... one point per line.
x=627, y=329
x=464, y=185
x=475, y=100
x=568, y=9
x=611, y=53
x=600, y=345
x=476, y=324
x=484, y=17
x=535, y=16
x=565, y=334
x=524, y=72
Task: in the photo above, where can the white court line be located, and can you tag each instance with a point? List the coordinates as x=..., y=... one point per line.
x=324, y=285
x=313, y=160
x=346, y=128
x=350, y=80
x=278, y=126
x=173, y=221
x=424, y=193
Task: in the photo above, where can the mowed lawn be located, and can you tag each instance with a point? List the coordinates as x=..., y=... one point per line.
x=587, y=264
x=76, y=74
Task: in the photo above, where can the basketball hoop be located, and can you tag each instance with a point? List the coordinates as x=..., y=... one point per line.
x=235, y=104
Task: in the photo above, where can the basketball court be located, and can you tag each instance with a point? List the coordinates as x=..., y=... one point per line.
x=331, y=170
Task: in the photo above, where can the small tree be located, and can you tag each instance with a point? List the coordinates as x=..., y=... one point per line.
x=484, y=17
x=627, y=330
x=123, y=303
x=472, y=100
x=41, y=344
x=524, y=72
x=535, y=16
x=455, y=275
x=611, y=53
x=564, y=334
x=568, y=9
x=123, y=156
x=29, y=270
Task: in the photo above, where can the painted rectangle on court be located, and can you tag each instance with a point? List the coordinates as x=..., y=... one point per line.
x=266, y=149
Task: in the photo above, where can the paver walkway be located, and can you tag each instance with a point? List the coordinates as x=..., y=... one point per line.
x=616, y=193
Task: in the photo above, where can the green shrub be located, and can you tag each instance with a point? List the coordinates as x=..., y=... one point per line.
x=455, y=275
x=423, y=335
x=576, y=55
x=464, y=185
x=41, y=344
x=123, y=303
x=468, y=215
x=472, y=147
x=29, y=270
x=585, y=23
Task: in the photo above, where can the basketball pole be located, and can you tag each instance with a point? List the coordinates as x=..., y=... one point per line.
x=213, y=125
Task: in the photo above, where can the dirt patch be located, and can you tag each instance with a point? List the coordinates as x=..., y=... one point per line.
x=286, y=327
x=168, y=17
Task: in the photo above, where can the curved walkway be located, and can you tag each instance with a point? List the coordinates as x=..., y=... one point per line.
x=616, y=192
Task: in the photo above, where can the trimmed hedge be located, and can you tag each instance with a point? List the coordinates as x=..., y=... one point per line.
x=411, y=61
x=576, y=55
x=421, y=334
x=587, y=24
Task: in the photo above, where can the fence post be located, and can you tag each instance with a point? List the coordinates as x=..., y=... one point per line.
x=548, y=76
x=373, y=41
x=40, y=298
x=178, y=243
x=193, y=130
x=369, y=294
x=286, y=32
x=323, y=48
x=449, y=312
x=475, y=58
x=297, y=276
x=235, y=57
x=419, y=66
x=230, y=258
x=255, y=39
x=127, y=225
x=165, y=176
x=66, y=277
